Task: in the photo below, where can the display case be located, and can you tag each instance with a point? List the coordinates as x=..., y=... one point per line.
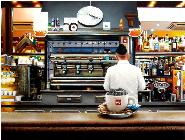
x=77, y=63
x=21, y=82
x=23, y=70
x=160, y=71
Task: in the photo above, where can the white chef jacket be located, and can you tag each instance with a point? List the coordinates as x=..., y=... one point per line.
x=126, y=76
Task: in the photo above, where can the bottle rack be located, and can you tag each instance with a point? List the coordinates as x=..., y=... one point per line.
x=146, y=56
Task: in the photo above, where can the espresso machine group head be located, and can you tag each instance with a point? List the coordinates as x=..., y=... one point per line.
x=90, y=65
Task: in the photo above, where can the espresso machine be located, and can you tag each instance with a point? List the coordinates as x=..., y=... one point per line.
x=76, y=66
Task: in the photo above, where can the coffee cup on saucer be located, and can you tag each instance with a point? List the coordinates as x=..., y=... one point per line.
x=118, y=100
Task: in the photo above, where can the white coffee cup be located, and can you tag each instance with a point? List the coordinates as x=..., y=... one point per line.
x=118, y=103
x=14, y=93
x=18, y=98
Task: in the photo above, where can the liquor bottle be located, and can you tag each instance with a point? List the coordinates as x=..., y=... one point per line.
x=166, y=40
x=121, y=24
x=139, y=45
x=174, y=44
x=166, y=66
x=151, y=45
x=172, y=64
x=156, y=44
x=146, y=69
x=162, y=45
x=160, y=68
x=182, y=44
x=150, y=68
x=142, y=68
x=57, y=22
x=146, y=46
x=154, y=68
x=53, y=22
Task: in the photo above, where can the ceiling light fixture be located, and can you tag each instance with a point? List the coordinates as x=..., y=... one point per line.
x=34, y=1
x=182, y=4
x=14, y=2
x=152, y=4
x=18, y=5
x=152, y=30
x=157, y=24
x=37, y=5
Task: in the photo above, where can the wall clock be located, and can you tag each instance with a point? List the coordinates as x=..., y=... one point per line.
x=89, y=16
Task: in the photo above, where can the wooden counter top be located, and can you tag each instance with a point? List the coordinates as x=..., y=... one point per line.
x=92, y=121
x=142, y=125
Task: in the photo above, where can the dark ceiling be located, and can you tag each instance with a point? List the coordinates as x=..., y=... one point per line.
x=139, y=3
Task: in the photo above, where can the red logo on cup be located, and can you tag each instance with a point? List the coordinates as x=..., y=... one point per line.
x=118, y=102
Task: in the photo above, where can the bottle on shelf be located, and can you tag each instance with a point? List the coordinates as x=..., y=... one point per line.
x=53, y=22
x=174, y=44
x=121, y=24
x=139, y=45
x=154, y=68
x=151, y=43
x=146, y=69
x=167, y=66
x=181, y=44
x=166, y=40
x=160, y=67
x=162, y=45
x=57, y=22
x=172, y=64
x=156, y=44
x=146, y=46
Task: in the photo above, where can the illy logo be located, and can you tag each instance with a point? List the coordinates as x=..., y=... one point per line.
x=118, y=102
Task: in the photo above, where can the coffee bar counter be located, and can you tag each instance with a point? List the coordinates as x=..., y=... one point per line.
x=35, y=106
x=168, y=124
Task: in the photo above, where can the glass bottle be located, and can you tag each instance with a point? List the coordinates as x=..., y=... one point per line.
x=53, y=22
x=139, y=46
x=121, y=24
x=174, y=45
x=166, y=40
x=162, y=45
x=160, y=68
x=145, y=46
x=156, y=44
x=146, y=69
x=154, y=68
x=151, y=45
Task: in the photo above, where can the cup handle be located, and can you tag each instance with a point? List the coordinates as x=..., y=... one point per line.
x=133, y=99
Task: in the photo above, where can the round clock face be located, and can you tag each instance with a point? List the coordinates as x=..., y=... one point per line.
x=89, y=16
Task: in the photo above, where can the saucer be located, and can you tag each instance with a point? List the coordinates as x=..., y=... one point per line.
x=127, y=112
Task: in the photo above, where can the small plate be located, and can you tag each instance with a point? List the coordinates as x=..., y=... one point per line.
x=102, y=109
x=116, y=116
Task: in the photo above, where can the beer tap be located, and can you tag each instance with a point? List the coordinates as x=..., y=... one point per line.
x=90, y=65
x=64, y=67
x=78, y=66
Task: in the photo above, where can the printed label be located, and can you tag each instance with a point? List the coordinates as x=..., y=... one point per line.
x=118, y=102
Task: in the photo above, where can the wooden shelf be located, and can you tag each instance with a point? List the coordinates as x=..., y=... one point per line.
x=24, y=54
x=165, y=76
x=159, y=53
x=96, y=31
